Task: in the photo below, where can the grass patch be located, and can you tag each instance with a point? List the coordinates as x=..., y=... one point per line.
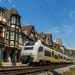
x=49, y=73
x=73, y=69
x=1, y=63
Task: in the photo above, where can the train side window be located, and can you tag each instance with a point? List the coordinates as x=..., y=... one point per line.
x=61, y=57
x=56, y=56
x=40, y=49
x=47, y=53
x=64, y=58
x=52, y=54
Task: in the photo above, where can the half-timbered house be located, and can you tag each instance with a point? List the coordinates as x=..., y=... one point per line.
x=3, y=24
x=14, y=36
x=29, y=31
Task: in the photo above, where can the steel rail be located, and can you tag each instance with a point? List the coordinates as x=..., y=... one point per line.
x=30, y=70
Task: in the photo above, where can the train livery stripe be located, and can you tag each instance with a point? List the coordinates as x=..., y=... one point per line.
x=58, y=57
x=52, y=55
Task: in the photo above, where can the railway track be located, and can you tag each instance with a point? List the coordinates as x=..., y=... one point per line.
x=24, y=70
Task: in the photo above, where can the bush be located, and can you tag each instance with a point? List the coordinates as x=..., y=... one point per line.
x=1, y=63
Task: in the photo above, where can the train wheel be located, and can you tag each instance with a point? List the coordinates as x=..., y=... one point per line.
x=49, y=63
x=41, y=63
x=45, y=62
x=32, y=64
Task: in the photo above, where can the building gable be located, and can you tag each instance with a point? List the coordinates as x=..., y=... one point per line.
x=29, y=31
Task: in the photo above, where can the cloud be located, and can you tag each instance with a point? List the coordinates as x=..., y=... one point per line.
x=9, y=1
x=68, y=30
x=63, y=12
x=55, y=30
x=25, y=23
x=72, y=14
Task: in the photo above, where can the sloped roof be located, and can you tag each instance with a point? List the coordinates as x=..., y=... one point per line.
x=28, y=28
x=7, y=15
x=14, y=11
x=5, y=9
x=2, y=9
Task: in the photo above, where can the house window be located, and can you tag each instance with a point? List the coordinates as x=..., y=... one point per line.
x=26, y=32
x=17, y=21
x=54, y=46
x=12, y=35
x=22, y=39
x=7, y=35
x=0, y=31
x=13, y=19
x=16, y=37
x=31, y=35
x=1, y=12
x=3, y=15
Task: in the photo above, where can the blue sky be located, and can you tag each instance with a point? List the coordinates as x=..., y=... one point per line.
x=63, y=13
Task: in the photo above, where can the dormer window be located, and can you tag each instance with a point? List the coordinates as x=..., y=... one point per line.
x=13, y=19
x=1, y=12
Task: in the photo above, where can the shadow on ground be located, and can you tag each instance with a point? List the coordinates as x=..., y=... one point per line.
x=54, y=73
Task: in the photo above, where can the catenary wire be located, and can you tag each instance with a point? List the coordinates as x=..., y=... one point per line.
x=58, y=24
x=25, y=17
x=52, y=21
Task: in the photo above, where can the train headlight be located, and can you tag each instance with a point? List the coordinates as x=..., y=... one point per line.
x=30, y=54
x=22, y=54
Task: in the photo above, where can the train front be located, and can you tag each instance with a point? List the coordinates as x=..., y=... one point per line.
x=29, y=53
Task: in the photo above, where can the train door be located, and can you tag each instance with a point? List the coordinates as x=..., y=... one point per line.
x=58, y=57
x=52, y=55
x=40, y=53
x=65, y=59
x=68, y=60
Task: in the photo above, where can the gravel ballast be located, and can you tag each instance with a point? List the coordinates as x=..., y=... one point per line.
x=58, y=71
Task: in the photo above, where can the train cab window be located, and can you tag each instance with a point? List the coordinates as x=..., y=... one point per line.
x=40, y=49
x=52, y=54
x=28, y=48
x=30, y=44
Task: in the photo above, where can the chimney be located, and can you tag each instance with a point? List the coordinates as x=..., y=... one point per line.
x=13, y=5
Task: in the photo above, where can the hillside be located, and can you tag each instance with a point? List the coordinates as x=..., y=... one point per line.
x=70, y=52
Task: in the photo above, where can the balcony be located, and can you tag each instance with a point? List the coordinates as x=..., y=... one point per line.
x=2, y=40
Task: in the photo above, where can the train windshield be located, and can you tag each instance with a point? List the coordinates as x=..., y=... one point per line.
x=28, y=48
x=30, y=44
